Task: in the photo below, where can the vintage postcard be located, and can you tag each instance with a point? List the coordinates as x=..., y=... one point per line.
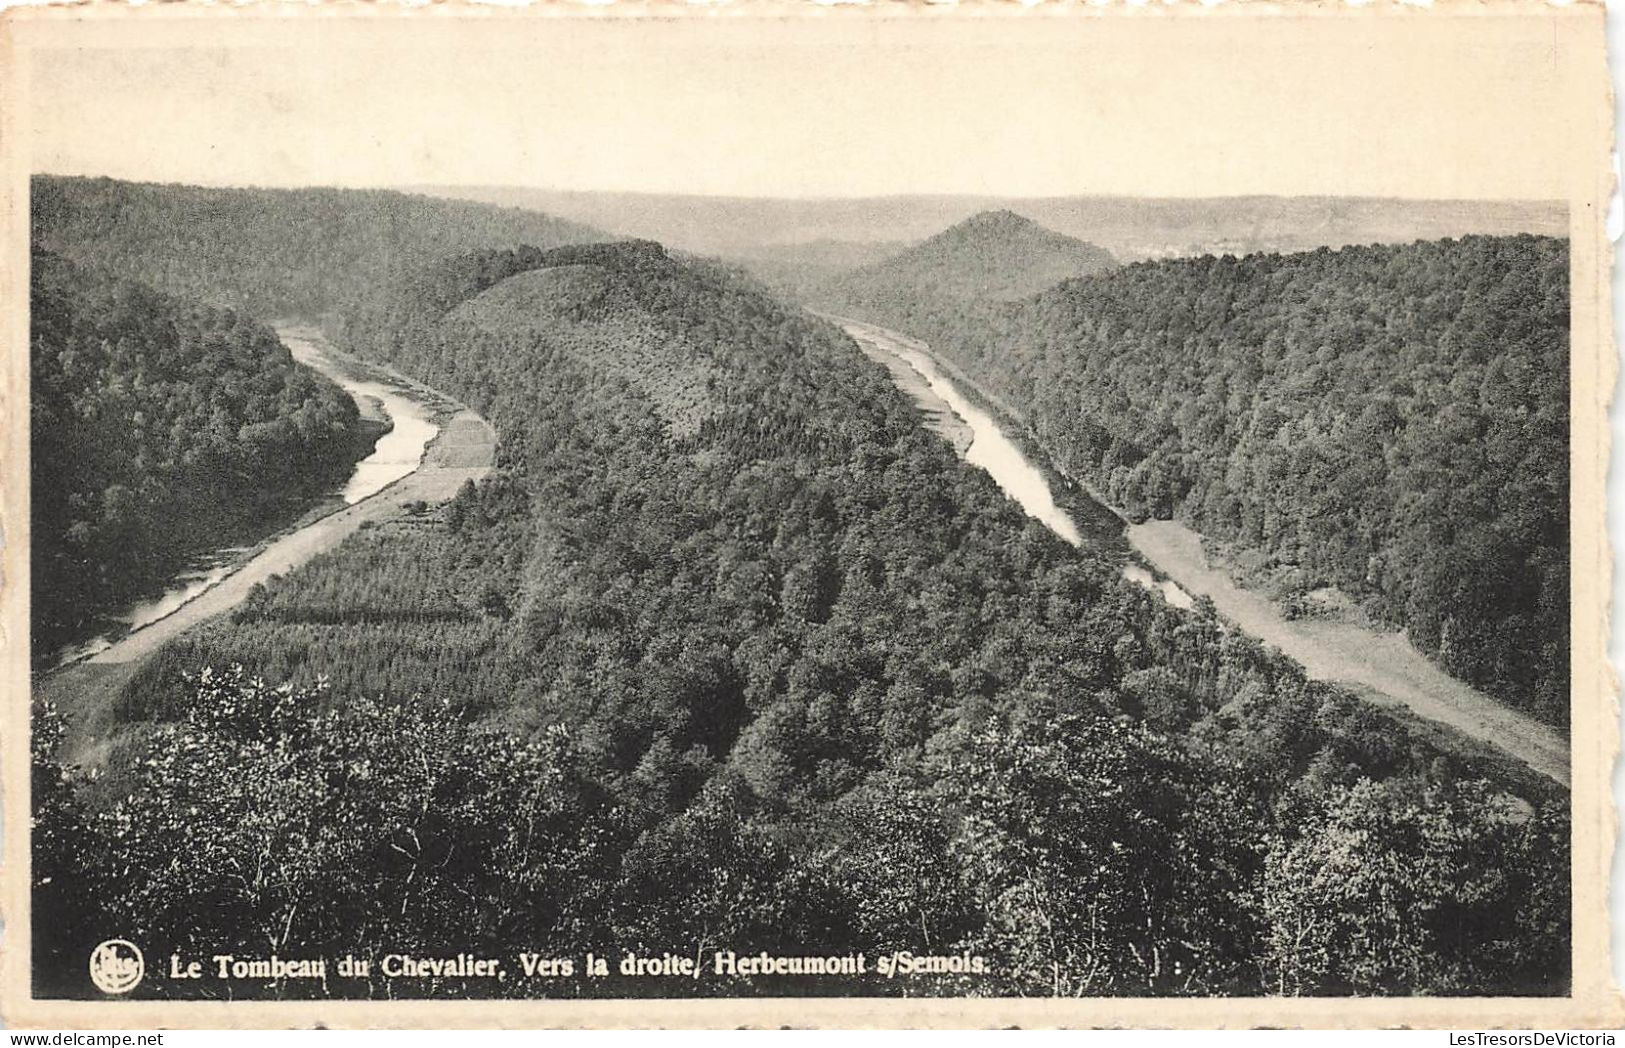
x=830, y=515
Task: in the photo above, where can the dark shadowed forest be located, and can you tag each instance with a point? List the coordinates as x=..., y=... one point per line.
x=162, y=428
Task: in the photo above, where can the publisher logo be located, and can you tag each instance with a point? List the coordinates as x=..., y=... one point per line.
x=116, y=966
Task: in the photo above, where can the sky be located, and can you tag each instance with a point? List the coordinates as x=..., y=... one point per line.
x=1414, y=104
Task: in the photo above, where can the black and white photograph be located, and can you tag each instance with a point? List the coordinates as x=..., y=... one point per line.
x=1086, y=510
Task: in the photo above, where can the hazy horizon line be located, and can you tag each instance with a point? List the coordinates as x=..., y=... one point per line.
x=421, y=188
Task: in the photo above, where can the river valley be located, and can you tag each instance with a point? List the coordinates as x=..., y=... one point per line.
x=1381, y=666
x=434, y=446
x=399, y=451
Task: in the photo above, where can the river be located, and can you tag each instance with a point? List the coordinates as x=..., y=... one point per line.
x=396, y=454
x=972, y=431
x=981, y=441
x=1381, y=666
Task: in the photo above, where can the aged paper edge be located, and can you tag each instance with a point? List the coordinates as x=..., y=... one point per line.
x=1595, y=1001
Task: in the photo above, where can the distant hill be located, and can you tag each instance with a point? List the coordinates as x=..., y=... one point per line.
x=271, y=251
x=789, y=268
x=834, y=255
x=994, y=255
x=1131, y=228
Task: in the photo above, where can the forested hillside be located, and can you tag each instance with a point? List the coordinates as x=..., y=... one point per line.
x=272, y=252
x=731, y=654
x=994, y=255
x=160, y=429
x=1392, y=421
